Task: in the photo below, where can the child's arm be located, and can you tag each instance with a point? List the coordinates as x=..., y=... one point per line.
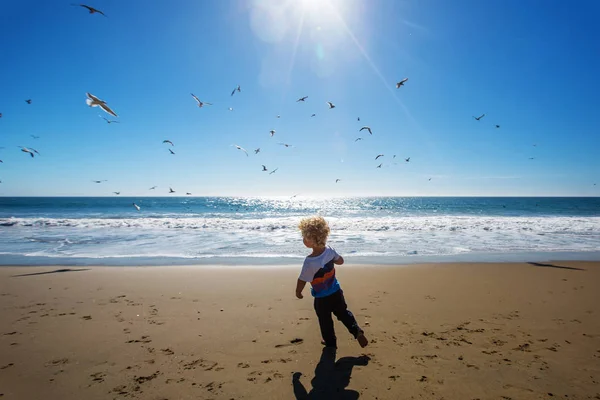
x=299, y=288
x=339, y=260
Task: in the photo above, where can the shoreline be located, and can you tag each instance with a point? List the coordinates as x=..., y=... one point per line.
x=284, y=262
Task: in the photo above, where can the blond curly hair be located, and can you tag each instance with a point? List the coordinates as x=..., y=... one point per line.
x=315, y=228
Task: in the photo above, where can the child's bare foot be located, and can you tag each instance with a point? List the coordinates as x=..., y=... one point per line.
x=362, y=340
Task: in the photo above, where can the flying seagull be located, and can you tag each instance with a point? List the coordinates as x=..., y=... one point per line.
x=331, y=105
x=171, y=151
x=240, y=148
x=367, y=128
x=93, y=101
x=200, y=103
x=264, y=168
x=302, y=99
x=238, y=88
x=478, y=118
x=272, y=172
x=35, y=137
x=0, y=115
x=136, y=206
x=358, y=119
x=357, y=139
x=401, y=83
x=497, y=126
x=230, y=109
x=337, y=180
x=28, y=101
x=153, y=187
x=278, y=116
x=378, y=155
x=92, y=10
x=285, y=144
x=272, y=132
x=171, y=190
x=379, y=166
x=257, y=151
x=429, y=179
x=168, y=141
x=407, y=159
x=188, y=194
x=117, y=193
x=103, y=180
x=26, y=150
x=314, y=115
x=108, y=121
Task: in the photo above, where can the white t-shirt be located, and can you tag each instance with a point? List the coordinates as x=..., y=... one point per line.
x=320, y=272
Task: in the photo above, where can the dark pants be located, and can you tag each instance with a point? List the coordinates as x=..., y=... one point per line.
x=335, y=304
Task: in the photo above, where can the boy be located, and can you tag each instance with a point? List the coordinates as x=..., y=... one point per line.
x=319, y=270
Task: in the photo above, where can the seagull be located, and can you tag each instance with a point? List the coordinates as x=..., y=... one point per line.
x=314, y=115
x=257, y=151
x=264, y=168
x=117, y=193
x=108, y=121
x=532, y=158
x=26, y=150
x=28, y=101
x=0, y=115
x=188, y=194
x=394, y=157
x=358, y=119
x=379, y=166
x=337, y=180
x=378, y=155
x=272, y=172
x=171, y=151
x=302, y=99
x=93, y=101
x=200, y=103
x=171, y=190
x=1, y=161
x=230, y=109
x=331, y=105
x=401, y=83
x=103, y=180
x=136, y=206
x=168, y=141
x=285, y=144
x=429, y=179
x=478, y=118
x=240, y=148
x=497, y=126
x=153, y=187
x=407, y=159
x=35, y=137
x=237, y=88
x=357, y=139
x=91, y=9
x=272, y=132
x=278, y=116
x=367, y=128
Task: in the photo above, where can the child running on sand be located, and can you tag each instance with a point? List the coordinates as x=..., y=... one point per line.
x=319, y=270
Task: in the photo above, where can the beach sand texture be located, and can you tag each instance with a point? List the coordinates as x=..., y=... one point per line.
x=446, y=331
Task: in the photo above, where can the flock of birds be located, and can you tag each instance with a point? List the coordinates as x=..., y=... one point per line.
x=94, y=101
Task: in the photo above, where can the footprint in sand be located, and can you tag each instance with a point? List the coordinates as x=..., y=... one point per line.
x=167, y=351
x=87, y=317
x=292, y=342
x=144, y=339
x=7, y=366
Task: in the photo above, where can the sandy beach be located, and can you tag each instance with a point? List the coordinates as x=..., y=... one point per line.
x=445, y=331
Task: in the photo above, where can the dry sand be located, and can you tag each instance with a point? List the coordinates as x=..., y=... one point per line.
x=446, y=331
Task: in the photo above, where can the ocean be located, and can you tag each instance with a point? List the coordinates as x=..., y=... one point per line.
x=263, y=231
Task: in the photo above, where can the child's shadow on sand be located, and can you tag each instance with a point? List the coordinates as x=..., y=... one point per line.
x=331, y=378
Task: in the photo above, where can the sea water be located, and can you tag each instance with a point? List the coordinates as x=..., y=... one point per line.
x=263, y=231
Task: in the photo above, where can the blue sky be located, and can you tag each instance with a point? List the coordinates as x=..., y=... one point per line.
x=530, y=67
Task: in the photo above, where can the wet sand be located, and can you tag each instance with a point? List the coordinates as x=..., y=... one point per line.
x=452, y=331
